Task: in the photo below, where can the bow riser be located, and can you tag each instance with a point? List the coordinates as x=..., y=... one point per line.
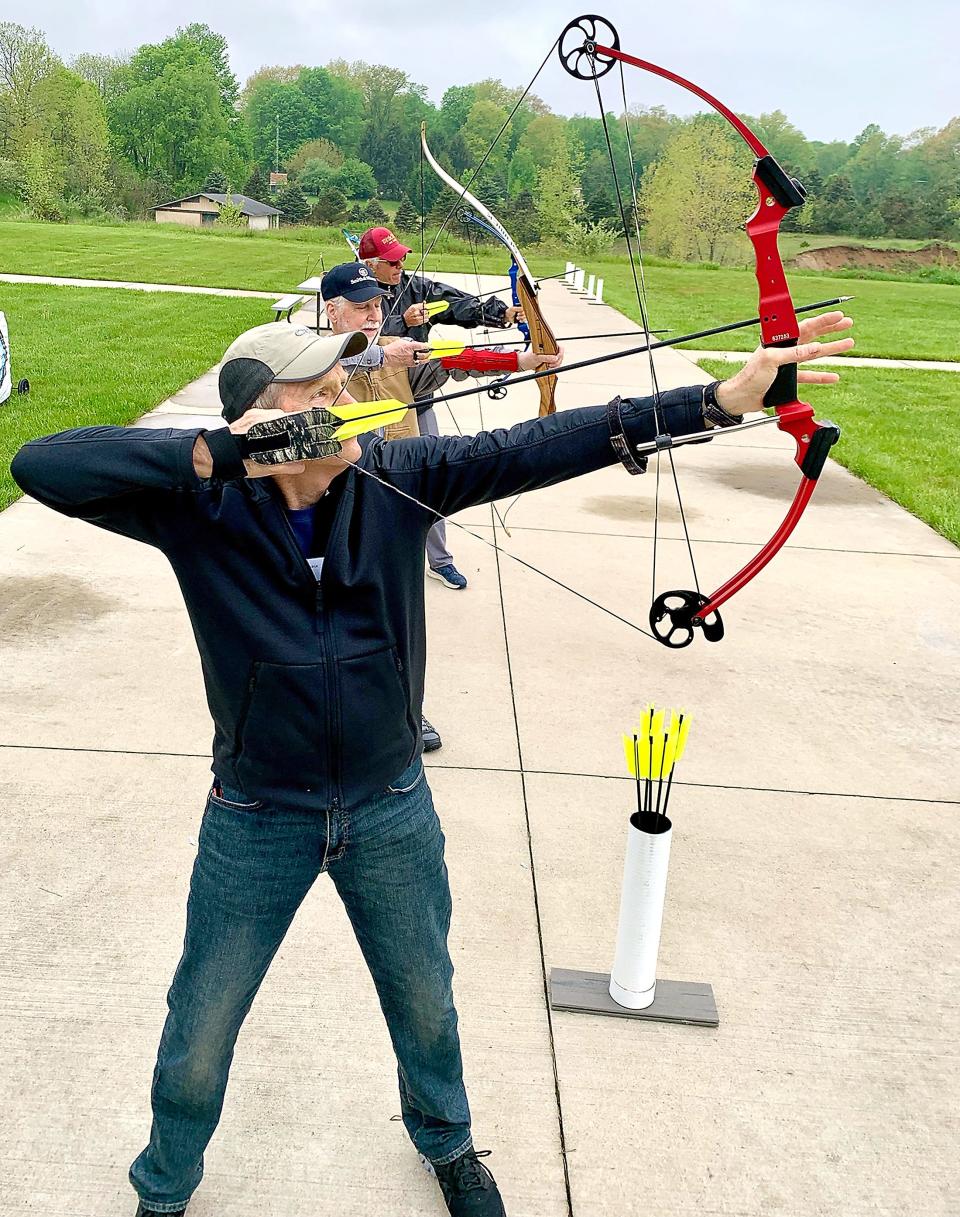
x=541, y=340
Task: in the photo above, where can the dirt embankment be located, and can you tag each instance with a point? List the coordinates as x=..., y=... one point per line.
x=862, y=257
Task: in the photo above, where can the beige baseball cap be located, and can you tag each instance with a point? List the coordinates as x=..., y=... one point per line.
x=278, y=351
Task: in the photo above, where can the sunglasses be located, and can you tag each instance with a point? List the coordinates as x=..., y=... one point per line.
x=399, y=262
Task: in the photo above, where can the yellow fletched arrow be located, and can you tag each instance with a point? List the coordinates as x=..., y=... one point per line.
x=435, y=307
x=361, y=416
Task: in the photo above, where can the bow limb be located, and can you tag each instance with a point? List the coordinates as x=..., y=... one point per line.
x=542, y=340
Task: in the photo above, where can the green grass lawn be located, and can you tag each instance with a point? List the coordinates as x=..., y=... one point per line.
x=96, y=355
x=163, y=253
x=893, y=320
x=902, y=320
x=901, y=433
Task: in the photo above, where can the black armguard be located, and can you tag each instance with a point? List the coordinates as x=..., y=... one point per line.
x=618, y=441
x=227, y=453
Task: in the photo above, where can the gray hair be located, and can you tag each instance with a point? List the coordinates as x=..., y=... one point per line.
x=270, y=397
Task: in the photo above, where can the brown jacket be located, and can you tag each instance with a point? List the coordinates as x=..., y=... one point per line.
x=386, y=384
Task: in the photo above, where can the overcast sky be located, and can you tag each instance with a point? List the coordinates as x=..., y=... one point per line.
x=831, y=67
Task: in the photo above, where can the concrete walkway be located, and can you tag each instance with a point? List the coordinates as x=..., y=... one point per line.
x=812, y=882
x=139, y=287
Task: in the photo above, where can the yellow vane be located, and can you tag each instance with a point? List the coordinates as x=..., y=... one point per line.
x=361, y=416
x=442, y=347
x=652, y=752
x=435, y=307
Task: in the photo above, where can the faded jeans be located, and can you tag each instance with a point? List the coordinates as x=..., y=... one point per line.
x=253, y=868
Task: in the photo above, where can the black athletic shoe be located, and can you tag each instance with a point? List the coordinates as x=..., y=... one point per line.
x=468, y=1187
x=142, y=1212
x=431, y=736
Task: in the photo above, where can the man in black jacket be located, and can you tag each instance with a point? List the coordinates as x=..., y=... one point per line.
x=303, y=579
x=407, y=295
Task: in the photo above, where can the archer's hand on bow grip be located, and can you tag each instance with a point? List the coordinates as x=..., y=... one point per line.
x=783, y=391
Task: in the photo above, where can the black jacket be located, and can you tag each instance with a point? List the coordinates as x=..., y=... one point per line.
x=315, y=689
x=463, y=309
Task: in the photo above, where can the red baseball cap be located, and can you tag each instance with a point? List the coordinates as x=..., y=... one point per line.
x=381, y=243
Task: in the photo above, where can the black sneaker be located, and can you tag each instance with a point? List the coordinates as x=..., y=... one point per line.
x=142, y=1212
x=468, y=1187
x=430, y=735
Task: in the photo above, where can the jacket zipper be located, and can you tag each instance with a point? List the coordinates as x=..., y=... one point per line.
x=320, y=629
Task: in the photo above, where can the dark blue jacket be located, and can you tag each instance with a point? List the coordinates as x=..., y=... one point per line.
x=315, y=689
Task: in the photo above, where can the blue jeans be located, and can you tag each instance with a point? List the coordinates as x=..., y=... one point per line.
x=253, y=869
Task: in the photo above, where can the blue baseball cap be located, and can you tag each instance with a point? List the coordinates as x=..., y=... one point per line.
x=352, y=280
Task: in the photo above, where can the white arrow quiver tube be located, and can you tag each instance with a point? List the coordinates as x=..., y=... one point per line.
x=633, y=979
x=6, y=382
x=6, y=375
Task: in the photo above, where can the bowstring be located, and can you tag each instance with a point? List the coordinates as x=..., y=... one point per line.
x=640, y=288
x=498, y=548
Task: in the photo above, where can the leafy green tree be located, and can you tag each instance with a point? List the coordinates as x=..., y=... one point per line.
x=170, y=120
x=698, y=194
x=69, y=120
x=358, y=214
x=599, y=202
x=231, y=213
x=355, y=178
x=214, y=49
x=292, y=203
x=39, y=184
x=279, y=118
x=337, y=109
x=520, y=217
x=10, y=179
x=559, y=197
x=25, y=60
x=836, y=209
x=279, y=74
x=101, y=72
x=316, y=176
x=315, y=150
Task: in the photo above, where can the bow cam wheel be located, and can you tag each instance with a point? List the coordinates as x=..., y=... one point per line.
x=674, y=616
x=23, y=387
x=578, y=43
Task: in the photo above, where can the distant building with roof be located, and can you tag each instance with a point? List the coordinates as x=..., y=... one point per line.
x=204, y=208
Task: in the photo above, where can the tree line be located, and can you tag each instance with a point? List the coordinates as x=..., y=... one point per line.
x=104, y=136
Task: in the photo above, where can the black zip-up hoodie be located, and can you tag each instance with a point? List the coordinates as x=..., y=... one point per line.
x=315, y=688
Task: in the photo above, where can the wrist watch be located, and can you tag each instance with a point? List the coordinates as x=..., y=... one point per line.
x=713, y=413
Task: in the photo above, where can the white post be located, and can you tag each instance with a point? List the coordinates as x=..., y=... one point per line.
x=633, y=979
x=568, y=274
x=591, y=283
x=598, y=298
x=578, y=280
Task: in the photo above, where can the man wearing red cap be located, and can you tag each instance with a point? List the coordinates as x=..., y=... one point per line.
x=405, y=314
x=407, y=295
